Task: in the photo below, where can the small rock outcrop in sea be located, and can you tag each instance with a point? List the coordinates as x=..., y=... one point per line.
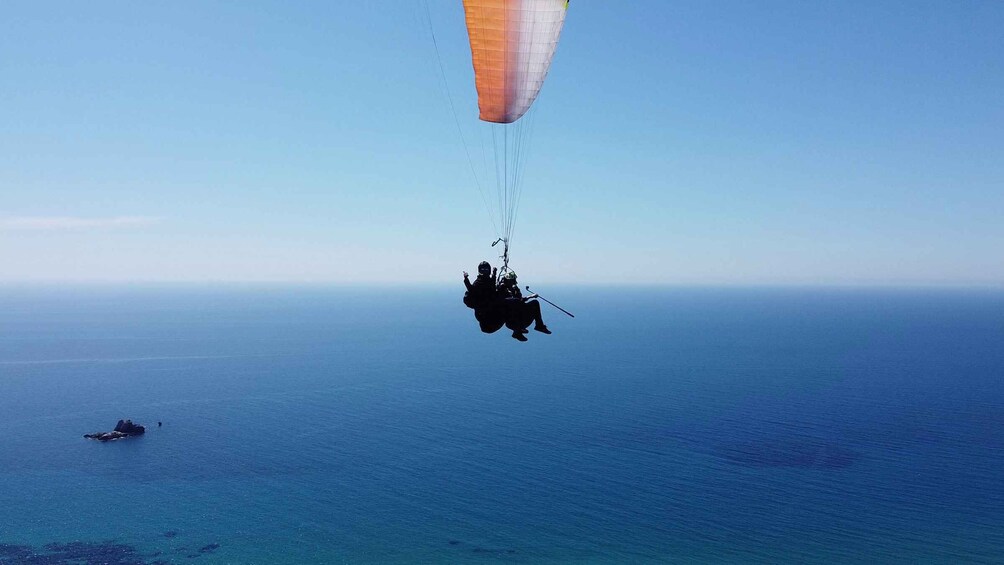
x=125, y=428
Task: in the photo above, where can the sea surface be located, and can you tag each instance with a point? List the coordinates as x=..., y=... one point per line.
x=344, y=425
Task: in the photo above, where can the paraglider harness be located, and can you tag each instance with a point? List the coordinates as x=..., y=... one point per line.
x=505, y=257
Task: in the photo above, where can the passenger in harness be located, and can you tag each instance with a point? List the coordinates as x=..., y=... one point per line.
x=520, y=311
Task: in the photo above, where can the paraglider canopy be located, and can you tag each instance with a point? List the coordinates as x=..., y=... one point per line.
x=512, y=44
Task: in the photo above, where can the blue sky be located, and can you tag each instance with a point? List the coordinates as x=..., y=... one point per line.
x=676, y=142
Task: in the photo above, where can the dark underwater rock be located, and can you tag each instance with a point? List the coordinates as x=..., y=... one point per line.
x=800, y=453
x=209, y=548
x=14, y=553
x=171, y=533
x=485, y=550
x=83, y=552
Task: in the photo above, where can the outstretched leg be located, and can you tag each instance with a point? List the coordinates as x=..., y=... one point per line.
x=532, y=309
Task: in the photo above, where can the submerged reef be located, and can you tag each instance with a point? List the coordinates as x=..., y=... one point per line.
x=74, y=553
x=484, y=550
x=800, y=453
x=89, y=553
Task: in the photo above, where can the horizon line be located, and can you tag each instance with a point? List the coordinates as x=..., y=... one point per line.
x=49, y=283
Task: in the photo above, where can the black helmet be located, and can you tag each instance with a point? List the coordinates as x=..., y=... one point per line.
x=484, y=268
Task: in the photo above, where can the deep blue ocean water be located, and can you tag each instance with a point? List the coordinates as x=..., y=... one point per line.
x=309, y=425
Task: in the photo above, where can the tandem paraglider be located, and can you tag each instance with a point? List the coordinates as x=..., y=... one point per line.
x=499, y=302
x=512, y=44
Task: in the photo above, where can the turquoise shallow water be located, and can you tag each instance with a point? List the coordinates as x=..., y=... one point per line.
x=346, y=426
